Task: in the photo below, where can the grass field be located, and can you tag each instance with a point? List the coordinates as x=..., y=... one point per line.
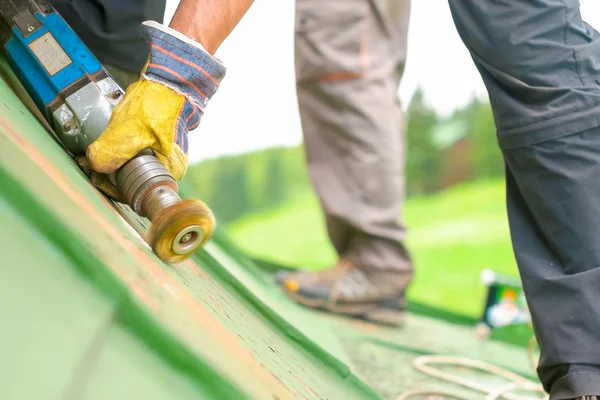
x=453, y=236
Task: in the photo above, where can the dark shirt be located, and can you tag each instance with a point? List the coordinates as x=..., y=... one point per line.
x=110, y=28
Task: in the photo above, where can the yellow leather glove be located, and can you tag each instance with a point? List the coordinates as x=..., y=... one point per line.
x=147, y=117
x=157, y=111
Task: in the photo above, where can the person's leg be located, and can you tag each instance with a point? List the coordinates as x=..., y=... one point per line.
x=112, y=33
x=111, y=28
x=553, y=192
x=349, y=61
x=540, y=63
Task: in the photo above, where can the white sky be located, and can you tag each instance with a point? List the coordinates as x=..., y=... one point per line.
x=256, y=105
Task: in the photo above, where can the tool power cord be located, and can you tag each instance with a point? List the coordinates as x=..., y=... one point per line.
x=515, y=382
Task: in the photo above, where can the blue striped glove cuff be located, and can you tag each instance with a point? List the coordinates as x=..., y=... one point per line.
x=181, y=64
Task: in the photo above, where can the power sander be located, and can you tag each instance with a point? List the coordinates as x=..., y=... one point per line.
x=76, y=96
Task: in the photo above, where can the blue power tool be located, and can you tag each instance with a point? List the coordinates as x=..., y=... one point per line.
x=67, y=83
x=76, y=95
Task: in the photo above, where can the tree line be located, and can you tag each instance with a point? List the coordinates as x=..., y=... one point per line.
x=257, y=181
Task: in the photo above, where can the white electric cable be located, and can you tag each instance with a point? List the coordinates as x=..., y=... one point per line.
x=516, y=382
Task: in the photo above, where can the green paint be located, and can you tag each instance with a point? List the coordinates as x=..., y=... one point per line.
x=170, y=340
x=123, y=368
x=290, y=318
x=133, y=315
x=72, y=328
x=49, y=314
x=385, y=357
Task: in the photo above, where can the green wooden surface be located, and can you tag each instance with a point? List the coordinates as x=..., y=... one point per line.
x=87, y=311
x=49, y=314
x=121, y=367
x=383, y=357
x=61, y=338
x=292, y=319
x=188, y=318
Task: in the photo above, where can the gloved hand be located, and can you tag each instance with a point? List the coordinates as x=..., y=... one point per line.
x=157, y=111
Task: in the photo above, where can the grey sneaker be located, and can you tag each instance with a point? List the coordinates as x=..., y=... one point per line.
x=348, y=291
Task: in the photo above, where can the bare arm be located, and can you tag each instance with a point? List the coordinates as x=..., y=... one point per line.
x=209, y=22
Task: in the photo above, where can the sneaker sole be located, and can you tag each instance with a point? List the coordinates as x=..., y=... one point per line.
x=379, y=315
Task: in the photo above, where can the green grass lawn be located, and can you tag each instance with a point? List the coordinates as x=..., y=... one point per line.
x=453, y=236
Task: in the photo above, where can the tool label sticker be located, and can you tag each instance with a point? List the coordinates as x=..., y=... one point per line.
x=50, y=54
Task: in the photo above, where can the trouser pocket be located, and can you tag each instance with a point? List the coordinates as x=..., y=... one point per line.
x=331, y=39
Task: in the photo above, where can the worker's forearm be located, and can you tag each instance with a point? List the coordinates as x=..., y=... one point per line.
x=209, y=22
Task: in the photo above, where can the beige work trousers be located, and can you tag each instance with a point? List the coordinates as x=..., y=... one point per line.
x=349, y=58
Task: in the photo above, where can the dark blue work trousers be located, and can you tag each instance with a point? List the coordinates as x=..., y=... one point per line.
x=540, y=63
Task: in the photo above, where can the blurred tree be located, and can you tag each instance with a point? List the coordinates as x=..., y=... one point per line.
x=295, y=171
x=231, y=189
x=199, y=180
x=275, y=184
x=256, y=171
x=422, y=163
x=486, y=160
x=234, y=185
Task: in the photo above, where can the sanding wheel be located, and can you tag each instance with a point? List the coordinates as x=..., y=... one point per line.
x=180, y=229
